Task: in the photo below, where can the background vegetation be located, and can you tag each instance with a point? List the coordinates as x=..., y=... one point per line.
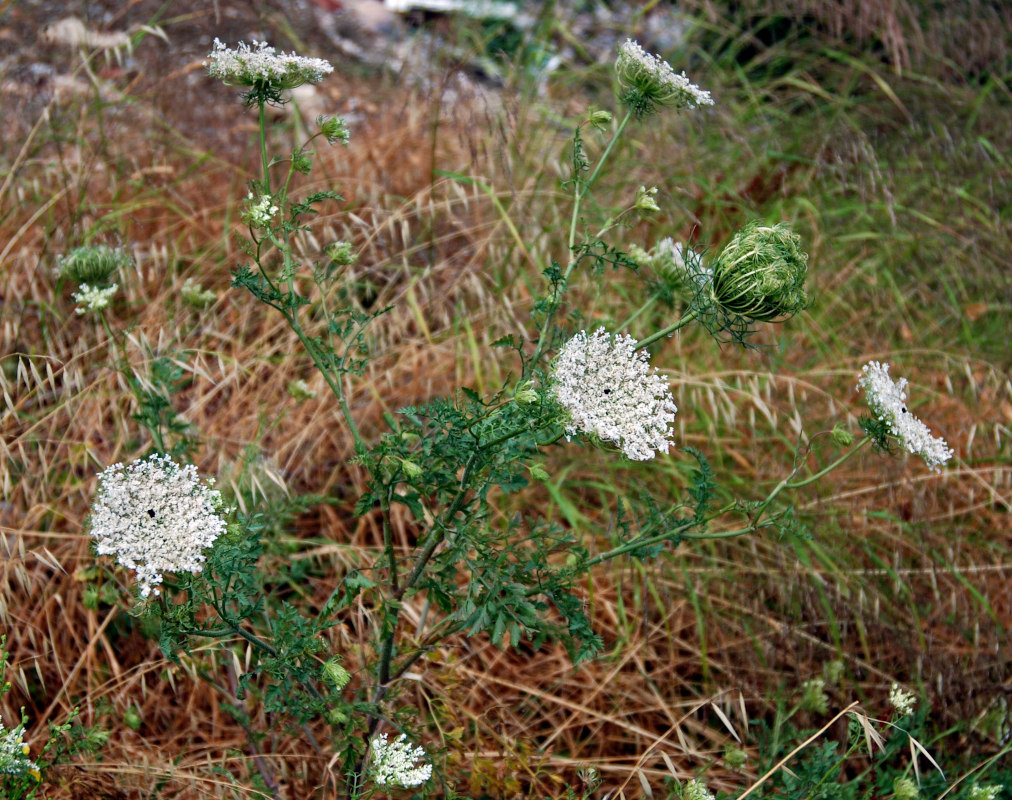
x=882, y=134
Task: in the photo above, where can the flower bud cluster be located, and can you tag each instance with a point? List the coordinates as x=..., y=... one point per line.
x=611, y=392
x=93, y=264
x=887, y=400
x=195, y=295
x=696, y=790
x=902, y=700
x=760, y=274
x=156, y=516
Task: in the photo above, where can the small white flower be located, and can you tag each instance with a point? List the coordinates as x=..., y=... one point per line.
x=263, y=65
x=679, y=265
x=394, y=762
x=195, y=295
x=902, y=700
x=610, y=391
x=991, y=792
x=651, y=81
x=156, y=516
x=93, y=299
x=259, y=213
x=14, y=752
x=696, y=790
x=887, y=401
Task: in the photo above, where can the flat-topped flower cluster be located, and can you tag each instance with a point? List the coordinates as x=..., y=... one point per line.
x=264, y=66
x=649, y=81
x=14, y=752
x=887, y=400
x=394, y=762
x=610, y=391
x=156, y=516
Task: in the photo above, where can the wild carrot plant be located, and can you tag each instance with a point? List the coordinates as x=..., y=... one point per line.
x=446, y=462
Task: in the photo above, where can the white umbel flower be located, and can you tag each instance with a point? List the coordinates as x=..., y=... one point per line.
x=887, y=401
x=902, y=700
x=14, y=752
x=610, y=391
x=156, y=516
x=259, y=213
x=263, y=65
x=978, y=792
x=696, y=790
x=649, y=81
x=92, y=299
x=394, y=762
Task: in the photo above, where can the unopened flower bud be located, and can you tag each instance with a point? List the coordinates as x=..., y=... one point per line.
x=333, y=129
x=411, y=469
x=599, y=118
x=337, y=716
x=132, y=718
x=341, y=254
x=538, y=472
x=645, y=203
x=93, y=264
x=734, y=757
x=760, y=273
x=335, y=673
x=842, y=436
x=300, y=390
x=525, y=393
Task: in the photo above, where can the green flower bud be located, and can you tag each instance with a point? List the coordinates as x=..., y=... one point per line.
x=337, y=716
x=335, y=673
x=639, y=255
x=645, y=203
x=132, y=718
x=813, y=696
x=411, y=469
x=599, y=118
x=525, y=393
x=734, y=757
x=93, y=264
x=842, y=436
x=89, y=597
x=341, y=254
x=333, y=129
x=832, y=671
x=538, y=472
x=760, y=273
x=904, y=789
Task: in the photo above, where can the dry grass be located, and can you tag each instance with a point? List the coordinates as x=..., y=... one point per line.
x=906, y=577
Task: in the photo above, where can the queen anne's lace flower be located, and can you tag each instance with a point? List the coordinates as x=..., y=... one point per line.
x=263, y=65
x=14, y=753
x=649, y=81
x=902, y=700
x=92, y=299
x=259, y=213
x=978, y=792
x=887, y=401
x=156, y=516
x=394, y=762
x=610, y=391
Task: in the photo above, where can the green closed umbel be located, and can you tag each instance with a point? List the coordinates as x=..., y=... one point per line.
x=760, y=273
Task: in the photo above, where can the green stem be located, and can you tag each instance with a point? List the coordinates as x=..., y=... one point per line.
x=263, y=148
x=826, y=470
x=643, y=308
x=684, y=320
